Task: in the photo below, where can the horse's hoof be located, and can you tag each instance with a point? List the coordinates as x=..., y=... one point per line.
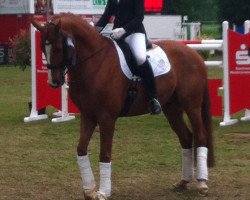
x=90, y=194
x=99, y=196
x=202, y=188
x=180, y=186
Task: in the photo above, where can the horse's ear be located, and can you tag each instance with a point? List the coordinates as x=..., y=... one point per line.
x=71, y=51
x=37, y=25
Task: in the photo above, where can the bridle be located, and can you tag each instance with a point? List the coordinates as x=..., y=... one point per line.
x=66, y=65
x=66, y=42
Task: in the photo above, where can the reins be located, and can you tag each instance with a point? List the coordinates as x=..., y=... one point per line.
x=84, y=60
x=92, y=55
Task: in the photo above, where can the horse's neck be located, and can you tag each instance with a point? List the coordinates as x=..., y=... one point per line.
x=90, y=47
x=87, y=40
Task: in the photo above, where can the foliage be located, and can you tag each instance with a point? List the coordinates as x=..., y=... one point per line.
x=21, y=49
x=235, y=12
x=210, y=10
x=196, y=10
x=211, y=31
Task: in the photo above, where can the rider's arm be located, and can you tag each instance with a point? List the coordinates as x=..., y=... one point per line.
x=108, y=12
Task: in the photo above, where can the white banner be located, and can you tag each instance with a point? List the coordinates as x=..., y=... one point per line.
x=84, y=7
x=16, y=6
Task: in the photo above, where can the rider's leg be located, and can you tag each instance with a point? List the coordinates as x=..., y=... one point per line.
x=137, y=45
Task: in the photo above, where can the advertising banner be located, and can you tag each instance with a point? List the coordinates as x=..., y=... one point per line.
x=215, y=98
x=16, y=6
x=83, y=7
x=239, y=71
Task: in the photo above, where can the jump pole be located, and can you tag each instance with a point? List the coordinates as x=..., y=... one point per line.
x=206, y=45
x=247, y=112
x=34, y=116
x=63, y=115
x=227, y=118
x=60, y=116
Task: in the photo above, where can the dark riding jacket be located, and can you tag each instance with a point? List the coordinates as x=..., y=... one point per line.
x=129, y=15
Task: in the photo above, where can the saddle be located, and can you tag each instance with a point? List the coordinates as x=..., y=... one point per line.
x=130, y=59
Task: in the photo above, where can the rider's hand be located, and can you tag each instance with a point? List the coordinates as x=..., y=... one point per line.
x=99, y=28
x=91, y=24
x=118, y=33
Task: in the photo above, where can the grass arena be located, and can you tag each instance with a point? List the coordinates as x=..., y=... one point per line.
x=38, y=160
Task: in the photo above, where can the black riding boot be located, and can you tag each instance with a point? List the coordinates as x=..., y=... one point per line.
x=148, y=80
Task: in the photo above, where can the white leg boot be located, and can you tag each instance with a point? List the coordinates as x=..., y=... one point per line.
x=202, y=170
x=105, y=179
x=87, y=177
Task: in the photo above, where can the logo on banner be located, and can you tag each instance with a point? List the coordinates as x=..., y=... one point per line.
x=241, y=56
x=42, y=67
x=241, y=61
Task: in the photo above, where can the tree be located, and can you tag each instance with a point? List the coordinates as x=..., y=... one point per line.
x=196, y=10
x=235, y=12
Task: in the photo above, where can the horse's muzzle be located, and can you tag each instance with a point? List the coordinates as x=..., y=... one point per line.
x=57, y=80
x=54, y=85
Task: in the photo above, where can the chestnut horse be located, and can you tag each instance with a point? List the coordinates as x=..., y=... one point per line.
x=98, y=88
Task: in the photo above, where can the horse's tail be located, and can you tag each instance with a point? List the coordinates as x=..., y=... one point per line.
x=207, y=120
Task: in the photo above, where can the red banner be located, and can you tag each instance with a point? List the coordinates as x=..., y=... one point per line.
x=239, y=71
x=216, y=100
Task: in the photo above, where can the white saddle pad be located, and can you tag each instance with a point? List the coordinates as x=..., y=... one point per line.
x=157, y=57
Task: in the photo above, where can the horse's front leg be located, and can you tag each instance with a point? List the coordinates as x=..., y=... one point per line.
x=106, y=136
x=87, y=127
x=107, y=126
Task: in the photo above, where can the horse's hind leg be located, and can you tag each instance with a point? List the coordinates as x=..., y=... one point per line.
x=200, y=143
x=174, y=114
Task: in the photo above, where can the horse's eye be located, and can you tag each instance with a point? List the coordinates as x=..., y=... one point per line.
x=57, y=48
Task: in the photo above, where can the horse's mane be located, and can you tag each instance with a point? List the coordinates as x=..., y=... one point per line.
x=70, y=21
x=68, y=17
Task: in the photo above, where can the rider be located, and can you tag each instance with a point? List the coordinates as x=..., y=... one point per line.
x=128, y=26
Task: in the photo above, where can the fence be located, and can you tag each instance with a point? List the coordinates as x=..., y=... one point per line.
x=61, y=101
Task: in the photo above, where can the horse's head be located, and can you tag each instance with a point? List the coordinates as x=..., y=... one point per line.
x=59, y=51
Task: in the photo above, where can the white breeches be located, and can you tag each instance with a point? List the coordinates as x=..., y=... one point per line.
x=137, y=44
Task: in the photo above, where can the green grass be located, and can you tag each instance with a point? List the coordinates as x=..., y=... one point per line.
x=38, y=160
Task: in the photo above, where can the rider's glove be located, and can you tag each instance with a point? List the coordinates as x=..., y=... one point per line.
x=91, y=24
x=117, y=33
x=99, y=28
